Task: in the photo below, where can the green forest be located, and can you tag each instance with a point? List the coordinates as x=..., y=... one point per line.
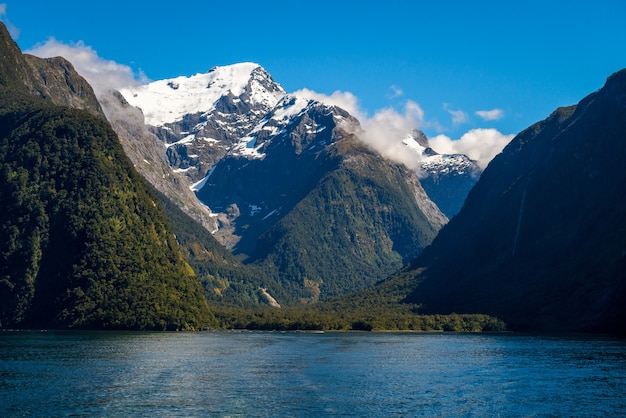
x=83, y=241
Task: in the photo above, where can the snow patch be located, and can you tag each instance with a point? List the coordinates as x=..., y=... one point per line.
x=185, y=141
x=199, y=185
x=270, y=214
x=183, y=170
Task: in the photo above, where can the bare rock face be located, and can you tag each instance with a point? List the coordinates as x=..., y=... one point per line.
x=57, y=80
x=147, y=154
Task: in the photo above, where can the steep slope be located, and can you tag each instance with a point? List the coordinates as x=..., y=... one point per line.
x=541, y=240
x=147, y=154
x=225, y=279
x=84, y=243
x=55, y=79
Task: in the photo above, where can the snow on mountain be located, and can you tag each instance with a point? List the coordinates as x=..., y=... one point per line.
x=273, y=124
x=447, y=163
x=433, y=163
x=202, y=118
x=447, y=178
x=239, y=111
x=168, y=101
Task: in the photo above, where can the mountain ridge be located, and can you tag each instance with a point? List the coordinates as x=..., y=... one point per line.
x=540, y=240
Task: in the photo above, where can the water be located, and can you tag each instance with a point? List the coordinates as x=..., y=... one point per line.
x=265, y=374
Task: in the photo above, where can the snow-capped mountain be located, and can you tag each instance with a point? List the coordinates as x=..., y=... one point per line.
x=168, y=101
x=302, y=197
x=290, y=186
x=236, y=109
x=266, y=173
x=447, y=178
x=200, y=118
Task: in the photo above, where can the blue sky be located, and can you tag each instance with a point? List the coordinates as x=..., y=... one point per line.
x=466, y=65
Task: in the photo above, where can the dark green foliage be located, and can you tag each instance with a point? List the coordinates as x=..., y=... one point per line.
x=302, y=319
x=358, y=224
x=83, y=243
x=12, y=64
x=378, y=308
x=541, y=240
x=330, y=215
x=225, y=279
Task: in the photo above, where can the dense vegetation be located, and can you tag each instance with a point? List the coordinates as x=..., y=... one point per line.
x=83, y=242
x=321, y=213
x=379, y=308
x=400, y=319
x=354, y=228
x=541, y=239
x=226, y=280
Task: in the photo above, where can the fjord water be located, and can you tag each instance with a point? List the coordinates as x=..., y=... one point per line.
x=305, y=374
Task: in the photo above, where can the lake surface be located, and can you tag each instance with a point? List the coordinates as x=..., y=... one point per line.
x=272, y=374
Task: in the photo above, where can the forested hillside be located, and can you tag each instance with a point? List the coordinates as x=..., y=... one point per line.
x=83, y=242
x=541, y=239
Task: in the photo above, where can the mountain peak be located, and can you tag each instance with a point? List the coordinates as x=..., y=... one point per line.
x=169, y=100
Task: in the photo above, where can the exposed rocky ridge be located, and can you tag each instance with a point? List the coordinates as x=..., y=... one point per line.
x=56, y=79
x=270, y=170
x=307, y=201
x=197, y=140
x=264, y=161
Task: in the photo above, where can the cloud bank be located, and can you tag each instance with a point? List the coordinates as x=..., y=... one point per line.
x=103, y=75
x=478, y=144
x=385, y=130
x=345, y=100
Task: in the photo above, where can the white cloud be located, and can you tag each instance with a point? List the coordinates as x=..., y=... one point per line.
x=386, y=129
x=395, y=91
x=102, y=74
x=493, y=114
x=458, y=116
x=478, y=144
x=383, y=132
x=345, y=100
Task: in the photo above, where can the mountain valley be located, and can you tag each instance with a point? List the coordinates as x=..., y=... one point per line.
x=221, y=200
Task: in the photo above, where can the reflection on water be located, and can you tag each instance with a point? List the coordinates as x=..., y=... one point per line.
x=306, y=374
